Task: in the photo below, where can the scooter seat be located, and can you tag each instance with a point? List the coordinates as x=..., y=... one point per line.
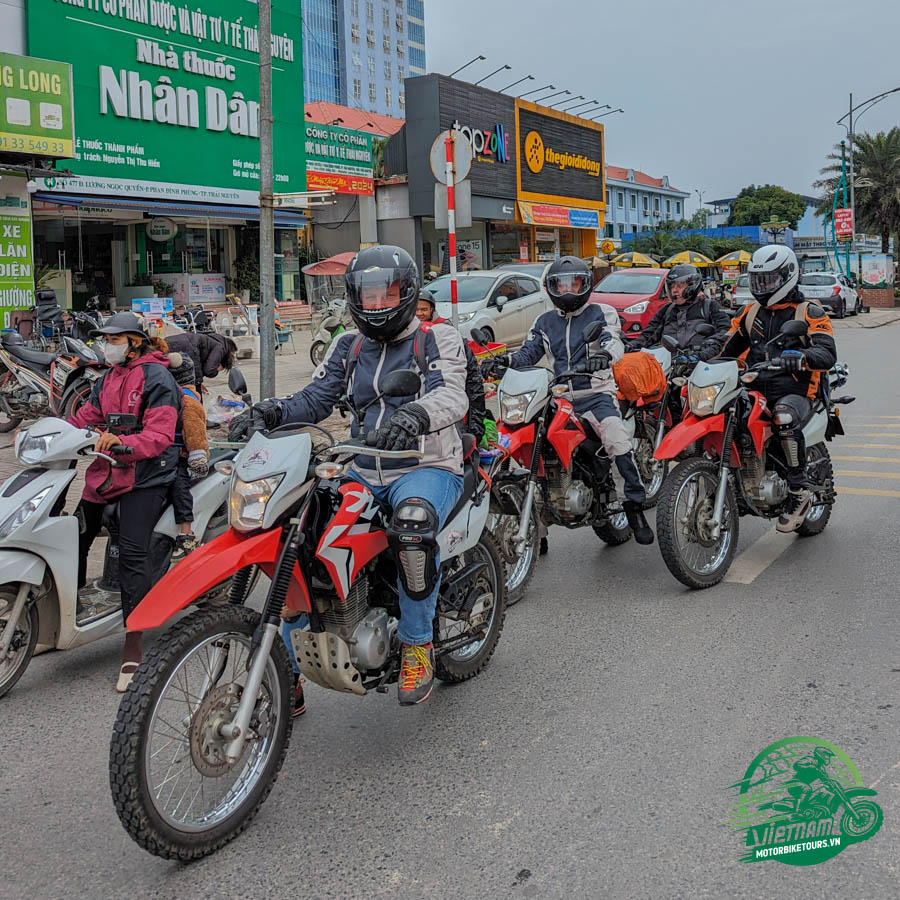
x=34, y=357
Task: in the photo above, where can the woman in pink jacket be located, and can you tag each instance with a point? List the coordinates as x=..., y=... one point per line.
x=139, y=388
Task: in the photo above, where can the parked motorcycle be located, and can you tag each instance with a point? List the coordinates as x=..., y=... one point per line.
x=208, y=714
x=39, y=597
x=742, y=469
x=34, y=383
x=329, y=328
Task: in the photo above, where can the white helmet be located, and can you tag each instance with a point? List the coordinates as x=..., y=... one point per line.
x=774, y=273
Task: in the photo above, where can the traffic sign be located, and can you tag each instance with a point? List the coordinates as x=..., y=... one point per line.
x=607, y=247
x=462, y=156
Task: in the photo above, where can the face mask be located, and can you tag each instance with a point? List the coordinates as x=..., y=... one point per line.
x=115, y=353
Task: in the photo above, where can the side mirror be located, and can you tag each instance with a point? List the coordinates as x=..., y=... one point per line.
x=705, y=329
x=670, y=343
x=477, y=335
x=237, y=384
x=401, y=383
x=593, y=331
x=794, y=328
x=498, y=300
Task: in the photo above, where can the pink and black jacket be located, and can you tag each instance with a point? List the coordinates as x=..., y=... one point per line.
x=145, y=388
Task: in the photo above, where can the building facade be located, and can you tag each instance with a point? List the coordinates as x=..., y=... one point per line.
x=637, y=202
x=359, y=52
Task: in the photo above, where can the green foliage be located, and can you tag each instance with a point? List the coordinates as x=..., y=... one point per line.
x=663, y=244
x=161, y=288
x=246, y=264
x=755, y=205
x=378, y=145
x=43, y=275
x=876, y=166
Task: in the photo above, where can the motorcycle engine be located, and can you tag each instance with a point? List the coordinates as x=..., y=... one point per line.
x=578, y=499
x=771, y=490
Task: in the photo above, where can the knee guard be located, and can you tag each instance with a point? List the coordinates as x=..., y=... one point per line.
x=790, y=430
x=412, y=536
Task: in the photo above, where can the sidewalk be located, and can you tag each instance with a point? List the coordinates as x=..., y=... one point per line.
x=874, y=319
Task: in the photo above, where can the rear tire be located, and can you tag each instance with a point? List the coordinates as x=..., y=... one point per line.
x=840, y=310
x=819, y=514
x=76, y=399
x=317, y=352
x=13, y=668
x=615, y=530
x=8, y=422
x=489, y=334
x=131, y=759
x=467, y=662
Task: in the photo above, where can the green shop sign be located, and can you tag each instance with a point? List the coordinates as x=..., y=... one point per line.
x=339, y=159
x=166, y=96
x=36, y=117
x=16, y=258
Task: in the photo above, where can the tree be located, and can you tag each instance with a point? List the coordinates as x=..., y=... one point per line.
x=755, y=205
x=876, y=164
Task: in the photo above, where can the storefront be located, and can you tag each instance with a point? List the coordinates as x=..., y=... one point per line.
x=537, y=193
x=166, y=153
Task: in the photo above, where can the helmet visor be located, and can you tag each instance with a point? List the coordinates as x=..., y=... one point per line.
x=376, y=288
x=568, y=283
x=764, y=284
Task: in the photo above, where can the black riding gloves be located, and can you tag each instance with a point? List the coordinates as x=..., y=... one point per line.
x=262, y=416
x=598, y=362
x=791, y=360
x=403, y=429
x=493, y=367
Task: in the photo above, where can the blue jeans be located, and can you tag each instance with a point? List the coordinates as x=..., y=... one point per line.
x=442, y=490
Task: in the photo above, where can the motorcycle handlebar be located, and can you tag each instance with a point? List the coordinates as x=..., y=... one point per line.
x=355, y=447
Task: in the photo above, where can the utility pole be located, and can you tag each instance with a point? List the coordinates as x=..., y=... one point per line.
x=266, y=208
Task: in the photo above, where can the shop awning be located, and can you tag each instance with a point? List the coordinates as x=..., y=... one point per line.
x=334, y=265
x=173, y=208
x=561, y=216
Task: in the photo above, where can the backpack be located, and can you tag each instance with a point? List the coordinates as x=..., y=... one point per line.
x=639, y=376
x=353, y=358
x=753, y=312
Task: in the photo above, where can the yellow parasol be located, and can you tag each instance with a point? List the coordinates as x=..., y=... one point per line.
x=633, y=259
x=691, y=257
x=735, y=258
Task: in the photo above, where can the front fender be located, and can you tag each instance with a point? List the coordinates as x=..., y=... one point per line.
x=17, y=566
x=200, y=571
x=689, y=429
x=860, y=792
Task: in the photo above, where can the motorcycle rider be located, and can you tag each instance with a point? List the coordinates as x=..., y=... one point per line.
x=808, y=769
x=138, y=383
x=687, y=308
x=558, y=334
x=382, y=293
x=774, y=274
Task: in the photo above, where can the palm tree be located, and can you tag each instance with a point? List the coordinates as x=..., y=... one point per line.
x=876, y=182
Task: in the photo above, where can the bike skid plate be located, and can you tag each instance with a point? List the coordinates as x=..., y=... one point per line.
x=324, y=659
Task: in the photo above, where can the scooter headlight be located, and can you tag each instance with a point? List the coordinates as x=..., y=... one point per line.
x=514, y=406
x=33, y=448
x=22, y=514
x=702, y=400
x=248, y=501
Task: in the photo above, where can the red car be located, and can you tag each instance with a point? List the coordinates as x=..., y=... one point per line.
x=636, y=294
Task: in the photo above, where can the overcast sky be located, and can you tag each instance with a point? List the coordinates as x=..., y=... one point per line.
x=717, y=94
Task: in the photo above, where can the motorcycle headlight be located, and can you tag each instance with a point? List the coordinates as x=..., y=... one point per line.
x=637, y=308
x=34, y=448
x=22, y=514
x=248, y=501
x=702, y=399
x=514, y=406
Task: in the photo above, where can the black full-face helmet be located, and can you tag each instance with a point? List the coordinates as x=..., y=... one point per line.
x=382, y=291
x=568, y=283
x=689, y=276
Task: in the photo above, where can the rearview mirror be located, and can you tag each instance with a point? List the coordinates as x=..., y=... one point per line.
x=400, y=383
x=498, y=300
x=237, y=384
x=705, y=329
x=670, y=343
x=593, y=331
x=795, y=328
x=477, y=335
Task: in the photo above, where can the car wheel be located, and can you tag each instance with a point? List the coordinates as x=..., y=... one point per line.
x=855, y=311
x=840, y=308
x=489, y=334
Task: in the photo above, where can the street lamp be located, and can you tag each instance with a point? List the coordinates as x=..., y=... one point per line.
x=542, y=99
x=586, y=103
x=538, y=90
x=469, y=63
x=526, y=78
x=579, y=97
x=587, y=112
x=501, y=69
x=607, y=114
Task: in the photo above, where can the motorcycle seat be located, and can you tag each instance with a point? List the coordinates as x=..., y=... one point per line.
x=35, y=357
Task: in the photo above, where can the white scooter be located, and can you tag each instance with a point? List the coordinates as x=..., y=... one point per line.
x=39, y=597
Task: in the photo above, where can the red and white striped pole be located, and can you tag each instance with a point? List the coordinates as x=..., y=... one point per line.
x=451, y=228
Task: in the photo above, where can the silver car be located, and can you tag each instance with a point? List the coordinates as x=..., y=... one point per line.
x=741, y=295
x=833, y=292
x=502, y=302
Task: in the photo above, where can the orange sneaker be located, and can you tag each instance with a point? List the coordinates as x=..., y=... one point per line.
x=416, y=673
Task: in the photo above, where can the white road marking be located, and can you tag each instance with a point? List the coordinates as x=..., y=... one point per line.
x=758, y=557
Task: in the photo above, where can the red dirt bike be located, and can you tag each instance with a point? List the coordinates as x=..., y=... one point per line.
x=741, y=469
x=203, y=729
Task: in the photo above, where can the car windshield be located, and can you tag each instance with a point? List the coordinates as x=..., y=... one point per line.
x=817, y=280
x=471, y=289
x=625, y=283
x=743, y=281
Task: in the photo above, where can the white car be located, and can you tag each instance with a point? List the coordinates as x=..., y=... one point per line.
x=503, y=303
x=833, y=292
x=740, y=295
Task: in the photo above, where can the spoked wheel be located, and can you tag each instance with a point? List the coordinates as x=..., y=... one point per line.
x=615, y=530
x=652, y=471
x=8, y=422
x=519, y=568
x=21, y=649
x=686, y=502
x=317, y=352
x=486, y=618
x=176, y=791
x=819, y=462
x=866, y=821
